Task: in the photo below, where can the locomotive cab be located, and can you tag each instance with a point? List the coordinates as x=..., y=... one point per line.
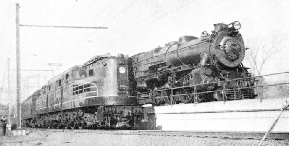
x=108, y=75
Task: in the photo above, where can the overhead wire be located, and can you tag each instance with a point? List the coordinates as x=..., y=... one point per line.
x=114, y=17
x=53, y=26
x=103, y=10
x=129, y=28
x=134, y=2
x=144, y=19
x=99, y=13
x=125, y=35
x=121, y=12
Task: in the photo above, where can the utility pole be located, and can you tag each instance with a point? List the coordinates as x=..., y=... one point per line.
x=18, y=73
x=9, y=121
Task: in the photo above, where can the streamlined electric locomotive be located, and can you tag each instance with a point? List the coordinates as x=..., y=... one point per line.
x=93, y=95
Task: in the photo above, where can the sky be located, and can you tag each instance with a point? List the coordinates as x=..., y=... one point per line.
x=134, y=26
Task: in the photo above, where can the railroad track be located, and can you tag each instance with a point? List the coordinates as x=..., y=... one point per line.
x=220, y=135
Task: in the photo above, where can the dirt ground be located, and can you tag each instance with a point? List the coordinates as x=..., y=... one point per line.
x=72, y=138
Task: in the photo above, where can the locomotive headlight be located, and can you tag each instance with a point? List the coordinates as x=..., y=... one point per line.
x=237, y=25
x=121, y=70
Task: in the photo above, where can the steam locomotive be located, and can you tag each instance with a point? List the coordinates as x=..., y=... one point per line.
x=111, y=91
x=211, y=65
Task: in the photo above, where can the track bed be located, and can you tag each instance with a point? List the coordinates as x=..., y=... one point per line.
x=137, y=137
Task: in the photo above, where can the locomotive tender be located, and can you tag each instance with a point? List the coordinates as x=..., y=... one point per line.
x=109, y=91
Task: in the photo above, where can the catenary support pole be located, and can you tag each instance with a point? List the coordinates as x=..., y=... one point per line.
x=8, y=84
x=18, y=73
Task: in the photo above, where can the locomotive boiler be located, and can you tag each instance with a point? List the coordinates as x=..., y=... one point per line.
x=212, y=64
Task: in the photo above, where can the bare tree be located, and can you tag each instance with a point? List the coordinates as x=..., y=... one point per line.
x=263, y=49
